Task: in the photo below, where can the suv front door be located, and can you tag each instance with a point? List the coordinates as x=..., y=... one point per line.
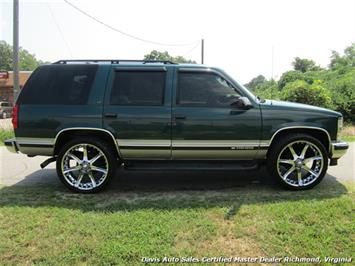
x=206, y=122
x=138, y=110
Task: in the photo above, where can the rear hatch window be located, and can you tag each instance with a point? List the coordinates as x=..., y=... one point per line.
x=59, y=85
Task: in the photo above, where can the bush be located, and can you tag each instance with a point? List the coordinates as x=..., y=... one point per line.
x=302, y=92
x=343, y=93
x=267, y=90
x=5, y=134
x=290, y=76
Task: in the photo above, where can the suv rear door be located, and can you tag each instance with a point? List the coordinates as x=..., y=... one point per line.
x=205, y=123
x=138, y=110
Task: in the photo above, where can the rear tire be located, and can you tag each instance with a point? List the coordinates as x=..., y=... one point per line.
x=298, y=161
x=86, y=165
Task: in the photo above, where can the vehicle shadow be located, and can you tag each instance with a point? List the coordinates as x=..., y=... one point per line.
x=165, y=190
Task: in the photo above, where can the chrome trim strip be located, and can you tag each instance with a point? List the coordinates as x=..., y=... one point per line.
x=144, y=142
x=87, y=128
x=306, y=127
x=215, y=143
x=188, y=143
x=35, y=141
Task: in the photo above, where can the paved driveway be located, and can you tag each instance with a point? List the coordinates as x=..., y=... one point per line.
x=18, y=169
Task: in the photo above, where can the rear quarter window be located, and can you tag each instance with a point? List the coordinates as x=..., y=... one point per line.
x=59, y=85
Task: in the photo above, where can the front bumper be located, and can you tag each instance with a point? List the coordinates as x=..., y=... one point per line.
x=11, y=145
x=339, y=149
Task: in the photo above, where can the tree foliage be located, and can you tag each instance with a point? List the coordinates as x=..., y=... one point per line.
x=338, y=61
x=27, y=60
x=267, y=90
x=302, y=92
x=303, y=65
x=255, y=82
x=308, y=83
x=290, y=76
x=157, y=55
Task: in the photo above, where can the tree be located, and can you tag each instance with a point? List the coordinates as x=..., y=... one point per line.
x=303, y=65
x=156, y=55
x=28, y=61
x=290, y=76
x=5, y=56
x=267, y=90
x=256, y=81
x=302, y=92
x=342, y=87
x=338, y=61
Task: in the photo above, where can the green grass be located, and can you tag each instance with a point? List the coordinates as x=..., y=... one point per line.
x=5, y=134
x=51, y=226
x=348, y=138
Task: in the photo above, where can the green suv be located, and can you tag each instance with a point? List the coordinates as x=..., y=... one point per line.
x=93, y=116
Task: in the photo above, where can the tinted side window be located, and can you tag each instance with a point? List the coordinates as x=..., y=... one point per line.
x=205, y=89
x=59, y=84
x=138, y=88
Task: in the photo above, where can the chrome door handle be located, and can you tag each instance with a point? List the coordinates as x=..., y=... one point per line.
x=179, y=116
x=110, y=115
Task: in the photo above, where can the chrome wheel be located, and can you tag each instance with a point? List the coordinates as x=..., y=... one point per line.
x=84, y=166
x=300, y=163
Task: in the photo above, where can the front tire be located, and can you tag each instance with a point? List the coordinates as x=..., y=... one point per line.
x=298, y=161
x=86, y=165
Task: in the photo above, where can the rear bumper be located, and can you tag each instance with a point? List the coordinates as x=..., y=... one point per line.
x=11, y=145
x=339, y=149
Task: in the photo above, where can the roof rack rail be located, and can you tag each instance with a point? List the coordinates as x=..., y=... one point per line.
x=112, y=61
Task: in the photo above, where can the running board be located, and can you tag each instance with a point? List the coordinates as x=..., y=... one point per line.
x=188, y=165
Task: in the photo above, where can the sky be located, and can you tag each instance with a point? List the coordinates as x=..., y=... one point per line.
x=241, y=37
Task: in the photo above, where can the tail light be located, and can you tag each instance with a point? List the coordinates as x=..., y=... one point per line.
x=15, y=111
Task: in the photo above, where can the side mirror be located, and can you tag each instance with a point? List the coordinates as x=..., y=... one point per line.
x=243, y=103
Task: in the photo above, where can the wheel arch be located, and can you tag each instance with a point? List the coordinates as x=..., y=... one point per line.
x=319, y=133
x=70, y=133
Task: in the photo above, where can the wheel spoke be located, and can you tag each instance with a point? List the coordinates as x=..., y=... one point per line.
x=78, y=181
x=305, y=167
x=75, y=168
x=287, y=161
x=85, y=153
x=303, y=153
x=99, y=169
x=288, y=172
x=95, y=158
x=294, y=154
x=92, y=179
x=74, y=158
x=299, y=177
x=314, y=158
